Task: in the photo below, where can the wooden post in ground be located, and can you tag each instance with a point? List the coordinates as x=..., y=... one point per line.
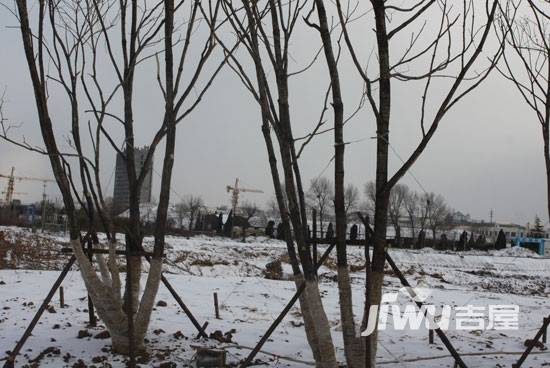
x=314, y=236
x=61, y=297
x=431, y=336
x=216, y=307
x=91, y=315
x=533, y=342
x=10, y=362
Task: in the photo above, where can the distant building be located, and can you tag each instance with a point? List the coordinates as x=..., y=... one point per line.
x=490, y=231
x=121, y=195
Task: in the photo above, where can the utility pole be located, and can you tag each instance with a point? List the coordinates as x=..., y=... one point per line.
x=491, y=213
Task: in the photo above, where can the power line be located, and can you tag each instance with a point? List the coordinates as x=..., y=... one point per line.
x=326, y=167
x=171, y=188
x=111, y=178
x=410, y=172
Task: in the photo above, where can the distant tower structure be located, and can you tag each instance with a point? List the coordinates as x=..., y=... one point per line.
x=11, y=187
x=236, y=190
x=121, y=194
x=10, y=190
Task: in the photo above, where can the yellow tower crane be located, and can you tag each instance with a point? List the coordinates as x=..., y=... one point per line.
x=10, y=190
x=235, y=195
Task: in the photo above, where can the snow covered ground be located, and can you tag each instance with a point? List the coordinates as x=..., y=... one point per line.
x=200, y=266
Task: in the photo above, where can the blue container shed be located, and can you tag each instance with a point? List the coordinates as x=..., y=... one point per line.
x=539, y=245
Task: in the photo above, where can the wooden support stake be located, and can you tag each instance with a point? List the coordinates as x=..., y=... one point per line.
x=216, y=307
x=201, y=331
x=546, y=321
x=179, y=300
x=458, y=360
x=10, y=362
x=282, y=315
x=531, y=346
x=61, y=297
x=431, y=336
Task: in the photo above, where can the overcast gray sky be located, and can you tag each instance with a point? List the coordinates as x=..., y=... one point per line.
x=486, y=155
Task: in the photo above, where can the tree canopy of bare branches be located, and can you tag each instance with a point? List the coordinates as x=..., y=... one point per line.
x=524, y=26
x=71, y=46
x=319, y=196
x=188, y=208
x=452, y=53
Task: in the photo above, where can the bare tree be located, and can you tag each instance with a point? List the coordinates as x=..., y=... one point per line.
x=412, y=208
x=181, y=213
x=438, y=55
x=424, y=204
x=272, y=209
x=272, y=206
x=266, y=30
x=320, y=196
x=353, y=344
x=249, y=210
x=398, y=194
x=396, y=203
x=352, y=198
x=188, y=208
x=370, y=194
x=527, y=63
x=437, y=212
x=66, y=46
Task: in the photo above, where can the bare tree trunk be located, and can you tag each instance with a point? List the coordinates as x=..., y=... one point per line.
x=412, y=222
x=308, y=298
x=319, y=328
x=546, y=139
x=527, y=39
x=147, y=303
x=321, y=216
x=382, y=192
x=398, y=235
x=108, y=305
x=546, y=129
x=133, y=272
x=353, y=346
x=125, y=314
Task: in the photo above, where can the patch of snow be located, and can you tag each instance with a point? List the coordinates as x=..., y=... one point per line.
x=197, y=267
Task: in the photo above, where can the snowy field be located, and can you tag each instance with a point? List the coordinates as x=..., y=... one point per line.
x=200, y=266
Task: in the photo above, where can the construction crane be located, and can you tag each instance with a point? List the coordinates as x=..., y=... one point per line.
x=14, y=193
x=10, y=190
x=236, y=191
